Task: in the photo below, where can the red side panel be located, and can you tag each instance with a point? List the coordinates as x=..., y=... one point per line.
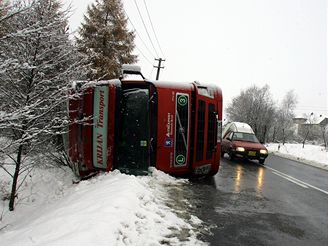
x=218, y=98
x=111, y=127
x=81, y=130
x=165, y=129
x=200, y=162
x=73, y=127
x=207, y=160
x=87, y=128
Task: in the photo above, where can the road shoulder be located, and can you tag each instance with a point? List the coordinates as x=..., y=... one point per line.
x=303, y=161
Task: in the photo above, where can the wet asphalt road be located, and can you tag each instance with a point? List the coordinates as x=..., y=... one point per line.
x=281, y=203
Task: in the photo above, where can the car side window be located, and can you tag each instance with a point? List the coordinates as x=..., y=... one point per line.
x=229, y=135
x=226, y=135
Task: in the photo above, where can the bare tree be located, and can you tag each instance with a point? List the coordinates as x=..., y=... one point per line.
x=37, y=62
x=254, y=106
x=284, y=118
x=323, y=132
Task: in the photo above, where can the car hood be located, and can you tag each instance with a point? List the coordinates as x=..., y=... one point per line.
x=248, y=145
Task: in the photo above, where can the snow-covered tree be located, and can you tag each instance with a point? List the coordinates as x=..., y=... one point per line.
x=105, y=39
x=4, y=9
x=4, y=14
x=284, y=120
x=254, y=106
x=37, y=61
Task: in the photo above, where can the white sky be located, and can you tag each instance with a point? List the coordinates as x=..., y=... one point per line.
x=236, y=43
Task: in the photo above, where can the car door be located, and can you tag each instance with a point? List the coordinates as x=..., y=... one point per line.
x=226, y=142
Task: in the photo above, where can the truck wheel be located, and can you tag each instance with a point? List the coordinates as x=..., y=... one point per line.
x=261, y=161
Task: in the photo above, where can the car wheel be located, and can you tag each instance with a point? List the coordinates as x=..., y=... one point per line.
x=261, y=161
x=222, y=153
x=231, y=156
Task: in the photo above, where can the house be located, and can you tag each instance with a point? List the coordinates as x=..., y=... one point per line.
x=315, y=124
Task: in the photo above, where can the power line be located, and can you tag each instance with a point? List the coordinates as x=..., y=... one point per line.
x=151, y=73
x=144, y=56
x=152, y=26
x=136, y=45
x=143, y=22
x=134, y=29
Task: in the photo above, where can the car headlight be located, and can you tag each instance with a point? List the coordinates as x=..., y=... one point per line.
x=263, y=151
x=240, y=149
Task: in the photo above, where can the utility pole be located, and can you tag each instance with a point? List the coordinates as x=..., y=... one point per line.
x=159, y=66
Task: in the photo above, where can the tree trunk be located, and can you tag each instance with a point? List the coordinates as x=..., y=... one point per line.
x=283, y=136
x=15, y=178
x=305, y=138
x=274, y=135
x=324, y=138
x=264, y=134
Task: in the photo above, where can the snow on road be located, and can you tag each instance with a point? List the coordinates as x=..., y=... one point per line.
x=311, y=154
x=110, y=209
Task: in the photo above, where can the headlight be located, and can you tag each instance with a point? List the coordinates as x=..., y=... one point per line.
x=240, y=149
x=263, y=151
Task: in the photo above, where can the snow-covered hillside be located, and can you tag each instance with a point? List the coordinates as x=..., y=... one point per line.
x=110, y=209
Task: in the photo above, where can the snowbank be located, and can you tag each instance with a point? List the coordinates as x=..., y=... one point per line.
x=311, y=154
x=110, y=209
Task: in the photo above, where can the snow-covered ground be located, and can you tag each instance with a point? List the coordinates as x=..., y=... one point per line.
x=311, y=154
x=110, y=209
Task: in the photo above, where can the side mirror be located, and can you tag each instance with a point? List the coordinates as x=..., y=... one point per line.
x=228, y=138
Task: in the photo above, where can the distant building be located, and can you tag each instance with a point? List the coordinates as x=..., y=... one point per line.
x=298, y=124
x=302, y=124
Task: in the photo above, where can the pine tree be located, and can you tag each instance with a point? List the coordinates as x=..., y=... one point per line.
x=105, y=39
x=37, y=61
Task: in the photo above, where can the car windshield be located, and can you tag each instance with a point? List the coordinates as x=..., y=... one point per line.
x=241, y=136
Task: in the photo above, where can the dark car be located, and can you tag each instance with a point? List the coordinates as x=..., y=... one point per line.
x=240, y=141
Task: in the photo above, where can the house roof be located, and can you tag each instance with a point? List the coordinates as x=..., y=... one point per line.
x=323, y=120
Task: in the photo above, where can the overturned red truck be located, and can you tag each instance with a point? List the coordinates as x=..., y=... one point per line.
x=132, y=125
